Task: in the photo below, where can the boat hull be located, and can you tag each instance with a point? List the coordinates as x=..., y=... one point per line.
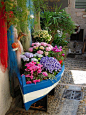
x=34, y=92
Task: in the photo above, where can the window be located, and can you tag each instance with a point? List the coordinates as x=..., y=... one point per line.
x=81, y=4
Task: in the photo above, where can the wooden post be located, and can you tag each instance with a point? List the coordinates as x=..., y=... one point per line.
x=37, y=19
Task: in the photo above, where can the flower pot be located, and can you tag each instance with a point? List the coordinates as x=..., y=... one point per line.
x=34, y=92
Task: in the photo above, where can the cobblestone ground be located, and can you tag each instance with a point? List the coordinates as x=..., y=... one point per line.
x=55, y=102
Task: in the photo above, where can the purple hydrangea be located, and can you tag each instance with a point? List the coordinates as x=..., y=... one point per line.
x=50, y=64
x=29, y=55
x=24, y=58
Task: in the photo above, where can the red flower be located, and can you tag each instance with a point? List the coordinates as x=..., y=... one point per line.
x=60, y=61
x=8, y=15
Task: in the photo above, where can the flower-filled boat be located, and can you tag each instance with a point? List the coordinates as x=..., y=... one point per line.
x=40, y=72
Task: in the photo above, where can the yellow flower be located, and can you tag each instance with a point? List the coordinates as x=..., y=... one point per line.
x=41, y=47
x=46, y=53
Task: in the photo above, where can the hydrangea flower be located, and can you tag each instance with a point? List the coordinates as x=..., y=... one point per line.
x=50, y=64
x=24, y=58
x=29, y=55
x=38, y=55
x=31, y=49
x=34, y=59
x=42, y=48
x=40, y=52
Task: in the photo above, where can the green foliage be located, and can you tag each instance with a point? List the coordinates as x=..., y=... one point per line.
x=19, y=12
x=58, y=20
x=39, y=5
x=59, y=41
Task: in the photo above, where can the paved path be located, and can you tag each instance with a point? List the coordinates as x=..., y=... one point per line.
x=57, y=104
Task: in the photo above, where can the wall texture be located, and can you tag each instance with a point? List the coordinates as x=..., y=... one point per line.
x=77, y=15
x=5, y=98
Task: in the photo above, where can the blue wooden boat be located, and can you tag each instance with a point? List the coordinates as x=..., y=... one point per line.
x=34, y=92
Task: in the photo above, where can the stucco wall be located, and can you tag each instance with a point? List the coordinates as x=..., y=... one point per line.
x=5, y=98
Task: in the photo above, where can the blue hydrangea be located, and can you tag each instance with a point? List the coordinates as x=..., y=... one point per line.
x=50, y=64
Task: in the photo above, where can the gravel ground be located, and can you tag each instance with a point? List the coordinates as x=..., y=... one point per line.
x=56, y=101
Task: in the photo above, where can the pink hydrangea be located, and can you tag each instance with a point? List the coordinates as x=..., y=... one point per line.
x=40, y=52
x=33, y=44
x=37, y=44
x=31, y=49
x=35, y=47
x=43, y=44
x=45, y=74
x=48, y=48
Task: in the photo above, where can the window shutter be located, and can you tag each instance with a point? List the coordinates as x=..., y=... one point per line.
x=80, y=4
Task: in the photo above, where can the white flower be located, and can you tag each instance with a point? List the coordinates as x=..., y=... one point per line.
x=34, y=59
x=39, y=55
x=32, y=16
x=25, y=59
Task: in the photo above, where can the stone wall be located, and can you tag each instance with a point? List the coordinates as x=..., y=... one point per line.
x=79, y=17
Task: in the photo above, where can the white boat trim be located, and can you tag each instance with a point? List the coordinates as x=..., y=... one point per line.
x=37, y=94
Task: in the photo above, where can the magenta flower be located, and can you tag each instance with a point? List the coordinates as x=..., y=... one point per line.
x=60, y=47
x=45, y=74
x=40, y=52
x=27, y=75
x=28, y=82
x=22, y=75
x=34, y=81
x=63, y=54
x=39, y=71
x=31, y=77
x=56, y=49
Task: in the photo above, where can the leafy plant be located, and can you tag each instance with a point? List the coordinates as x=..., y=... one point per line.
x=58, y=20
